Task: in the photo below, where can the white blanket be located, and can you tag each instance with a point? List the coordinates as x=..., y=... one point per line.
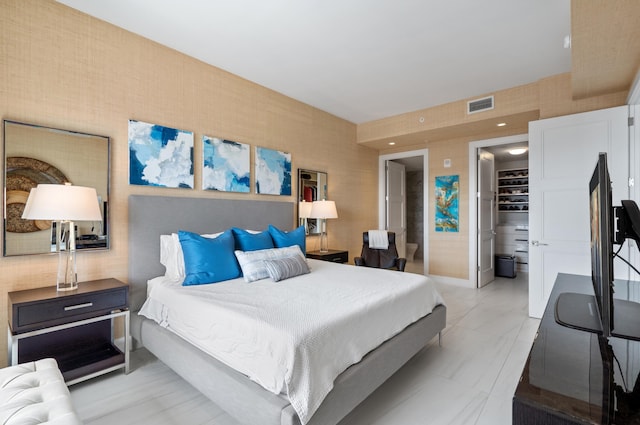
x=295, y=336
x=378, y=239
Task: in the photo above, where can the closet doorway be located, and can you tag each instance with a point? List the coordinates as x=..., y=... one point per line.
x=498, y=229
x=413, y=209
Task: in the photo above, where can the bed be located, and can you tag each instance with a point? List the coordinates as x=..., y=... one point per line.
x=241, y=397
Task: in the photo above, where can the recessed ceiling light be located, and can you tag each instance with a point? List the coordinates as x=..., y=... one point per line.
x=501, y=124
x=392, y=143
x=517, y=151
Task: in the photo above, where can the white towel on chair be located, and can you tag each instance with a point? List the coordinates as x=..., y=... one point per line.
x=378, y=239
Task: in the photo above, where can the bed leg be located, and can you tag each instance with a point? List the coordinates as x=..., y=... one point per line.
x=440, y=339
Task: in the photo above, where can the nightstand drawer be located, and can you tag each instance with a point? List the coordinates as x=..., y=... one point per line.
x=42, y=310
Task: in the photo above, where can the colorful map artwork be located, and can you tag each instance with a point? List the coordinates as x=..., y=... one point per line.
x=447, y=189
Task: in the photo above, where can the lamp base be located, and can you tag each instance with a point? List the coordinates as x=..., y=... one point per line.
x=64, y=286
x=324, y=242
x=67, y=279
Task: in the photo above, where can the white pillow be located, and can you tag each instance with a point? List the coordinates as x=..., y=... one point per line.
x=252, y=262
x=171, y=256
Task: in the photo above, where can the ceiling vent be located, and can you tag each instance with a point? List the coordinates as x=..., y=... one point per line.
x=479, y=105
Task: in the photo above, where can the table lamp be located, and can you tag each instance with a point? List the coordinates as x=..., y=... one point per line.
x=323, y=210
x=65, y=204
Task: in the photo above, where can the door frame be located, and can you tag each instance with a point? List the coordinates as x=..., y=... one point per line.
x=473, y=196
x=634, y=173
x=396, y=170
x=424, y=153
x=633, y=100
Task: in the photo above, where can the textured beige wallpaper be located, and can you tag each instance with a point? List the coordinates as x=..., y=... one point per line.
x=63, y=69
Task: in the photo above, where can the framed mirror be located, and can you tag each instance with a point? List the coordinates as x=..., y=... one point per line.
x=312, y=186
x=33, y=155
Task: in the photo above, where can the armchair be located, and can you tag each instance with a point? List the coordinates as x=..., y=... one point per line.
x=380, y=258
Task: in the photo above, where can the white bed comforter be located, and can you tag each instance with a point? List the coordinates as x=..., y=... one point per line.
x=295, y=336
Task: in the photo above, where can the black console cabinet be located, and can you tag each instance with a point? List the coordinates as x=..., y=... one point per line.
x=577, y=377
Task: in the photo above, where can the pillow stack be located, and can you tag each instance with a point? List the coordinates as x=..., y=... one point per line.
x=210, y=258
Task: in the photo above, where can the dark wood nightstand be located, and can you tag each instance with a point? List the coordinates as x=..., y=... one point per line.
x=77, y=328
x=333, y=255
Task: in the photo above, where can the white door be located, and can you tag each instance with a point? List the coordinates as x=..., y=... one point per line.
x=486, y=217
x=563, y=152
x=396, y=204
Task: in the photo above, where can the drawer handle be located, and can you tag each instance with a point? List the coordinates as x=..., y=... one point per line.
x=78, y=306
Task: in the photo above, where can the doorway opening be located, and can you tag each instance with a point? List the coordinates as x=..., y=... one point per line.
x=498, y=212
x=414, y=209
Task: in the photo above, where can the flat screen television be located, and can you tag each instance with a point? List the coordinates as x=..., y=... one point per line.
x=594, y=313
x=602, y=230
x=601, y=313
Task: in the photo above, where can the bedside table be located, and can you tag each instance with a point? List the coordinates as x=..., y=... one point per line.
x=77, y=328
x=333, y=255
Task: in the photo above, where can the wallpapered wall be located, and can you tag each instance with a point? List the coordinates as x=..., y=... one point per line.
x=63, y=69
x=449, y=251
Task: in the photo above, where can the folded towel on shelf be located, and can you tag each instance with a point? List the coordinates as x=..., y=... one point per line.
x=378, y=239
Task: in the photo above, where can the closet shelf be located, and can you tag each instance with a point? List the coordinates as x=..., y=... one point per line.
x=513, y=190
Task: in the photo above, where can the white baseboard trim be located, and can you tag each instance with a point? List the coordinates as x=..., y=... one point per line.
x=465, y=283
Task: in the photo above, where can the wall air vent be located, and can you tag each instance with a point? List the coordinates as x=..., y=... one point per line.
x=479, y=105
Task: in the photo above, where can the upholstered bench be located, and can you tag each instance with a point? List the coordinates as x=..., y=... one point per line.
x=35, y=393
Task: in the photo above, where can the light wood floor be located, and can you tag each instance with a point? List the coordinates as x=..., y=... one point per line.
x=470, y=379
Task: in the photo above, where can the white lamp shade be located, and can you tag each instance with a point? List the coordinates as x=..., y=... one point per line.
x=304, y=209
x=323, y=209
x=61, y=202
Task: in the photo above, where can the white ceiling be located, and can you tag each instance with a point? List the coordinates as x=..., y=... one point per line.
x=360, y=59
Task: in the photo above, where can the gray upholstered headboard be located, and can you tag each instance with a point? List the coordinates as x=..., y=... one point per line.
x=152, y=216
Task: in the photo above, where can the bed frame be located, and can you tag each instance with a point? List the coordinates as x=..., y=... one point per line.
x=246, y=401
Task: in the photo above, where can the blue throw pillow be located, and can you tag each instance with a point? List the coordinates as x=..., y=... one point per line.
x=247, y=241
x=208, y=260
x=283, y=239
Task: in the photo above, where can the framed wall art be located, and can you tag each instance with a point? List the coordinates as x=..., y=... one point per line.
x=160, y=156
x=226, y=165
x=447, y=213
x=273, y=172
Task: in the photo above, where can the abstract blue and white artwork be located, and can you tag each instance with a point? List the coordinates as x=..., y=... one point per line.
x=273, y=172
x=160, y=156
x=226, y=165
